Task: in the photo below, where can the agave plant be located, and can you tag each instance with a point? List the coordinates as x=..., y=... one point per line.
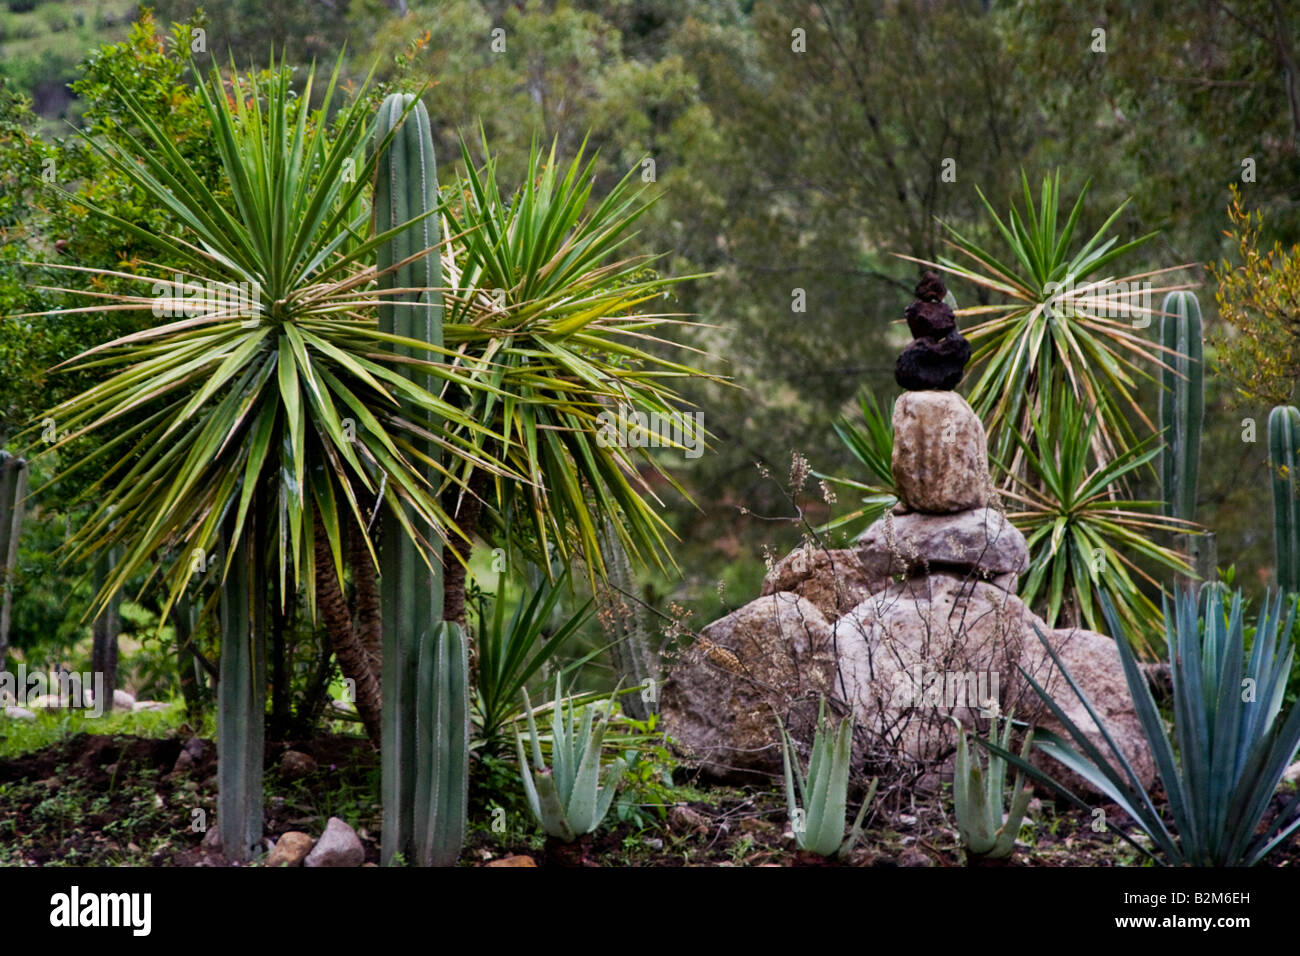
x=818, y=824
x=1081, y=535
x=977, y=796
x=1065, y=317
x=1231, y=741
x=547, y=313
x=572, y=796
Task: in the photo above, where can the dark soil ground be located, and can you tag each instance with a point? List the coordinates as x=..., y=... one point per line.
x=95, y=800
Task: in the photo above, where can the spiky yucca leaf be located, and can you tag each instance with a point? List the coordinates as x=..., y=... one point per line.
x=1080, y=532
x=295, y=386
x=547, y=309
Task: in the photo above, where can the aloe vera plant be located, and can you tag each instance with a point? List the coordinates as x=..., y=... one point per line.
x=441, y=746
x=818, y=824
x=1284, y=453
x=977, y=796
x=572, y=796
x=1231, y=742
x=406, y=191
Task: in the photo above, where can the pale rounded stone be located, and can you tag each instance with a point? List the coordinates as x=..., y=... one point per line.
x=1093, y=661
x=339, y=845
x=940, y=462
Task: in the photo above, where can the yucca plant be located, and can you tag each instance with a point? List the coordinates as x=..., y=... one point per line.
x=1080, y=535
x=550, y=313
x=817, y=811
x=986, y=831
x=513, y=649
x=253, y=388
x=268, y=406
x=1066, y=318
x=1231, y=743
x=572, y=796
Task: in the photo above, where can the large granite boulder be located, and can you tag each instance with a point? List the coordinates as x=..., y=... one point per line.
x=1093, y=661
x=932, y=649
x=928, y=650
x=773, y=656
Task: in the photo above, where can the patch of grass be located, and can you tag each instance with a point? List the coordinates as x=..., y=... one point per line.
x=19, y=737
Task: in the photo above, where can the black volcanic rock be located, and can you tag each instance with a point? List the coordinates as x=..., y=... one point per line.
x=938, y=354
x=930, y=288
x=930, y=320
x=933, y=364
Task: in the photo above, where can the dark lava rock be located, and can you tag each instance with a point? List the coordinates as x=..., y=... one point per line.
x=929, y=364
x=931, y=287
x=930, y=320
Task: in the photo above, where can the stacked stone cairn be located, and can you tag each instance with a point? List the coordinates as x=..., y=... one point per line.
x=914, y=625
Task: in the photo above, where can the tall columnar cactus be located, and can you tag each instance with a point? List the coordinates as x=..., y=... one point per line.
x=241, y=694
x=13, y=491
x=1182, y=403
x=1284, y=454
x=406, y=187
x=1182, y=414
x=441, y=746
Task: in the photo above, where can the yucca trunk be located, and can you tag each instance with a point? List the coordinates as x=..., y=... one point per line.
x=103, y=654
x=241, y=693
x=349, y=649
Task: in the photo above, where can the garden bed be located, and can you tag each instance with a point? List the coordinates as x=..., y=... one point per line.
x=94, y=799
